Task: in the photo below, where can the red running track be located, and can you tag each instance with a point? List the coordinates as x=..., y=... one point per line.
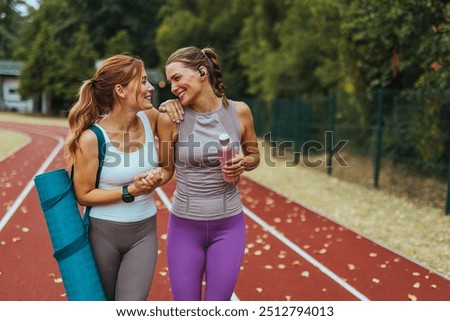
x=293, y=253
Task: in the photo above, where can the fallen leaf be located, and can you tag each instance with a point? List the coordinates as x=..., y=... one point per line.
x=416, y=285
x=372, y=254
x=164, y=236
x=258, y=252
x=351, y=267
x=296, y=262
x=266, y=247
x=268, y=267
x=412, y=297
x=305, y=274
x=16, y=239
x=322, y=251
x=281, y=266
x=58, y=280
x=25, y=229
x=288, y=297
x=259, y=290
x=375, y=280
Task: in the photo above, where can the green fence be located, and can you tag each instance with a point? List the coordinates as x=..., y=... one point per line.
x=404, y=128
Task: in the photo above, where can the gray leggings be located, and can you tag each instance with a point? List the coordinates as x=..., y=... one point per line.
x=125, y=254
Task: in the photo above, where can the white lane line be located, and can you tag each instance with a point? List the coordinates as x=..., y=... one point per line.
x=305, y=255
x=30, y=184
x=165, y=199
x=289, y=244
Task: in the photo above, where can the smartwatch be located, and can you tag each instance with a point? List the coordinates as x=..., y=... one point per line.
x=126, y=196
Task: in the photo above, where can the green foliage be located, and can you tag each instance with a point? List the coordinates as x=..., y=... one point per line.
x=82, y=57
x=42, y=70
x=391, y=46
x=11, y=21
x=205, y=23
x=119, y=43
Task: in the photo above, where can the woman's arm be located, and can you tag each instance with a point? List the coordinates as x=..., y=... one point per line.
x=85, y=174
x=249, y=143
x=167, y=135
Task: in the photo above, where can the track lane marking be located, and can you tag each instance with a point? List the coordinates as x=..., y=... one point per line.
x=11, y=211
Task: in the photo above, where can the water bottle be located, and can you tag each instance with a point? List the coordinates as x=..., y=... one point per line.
x=226, y=152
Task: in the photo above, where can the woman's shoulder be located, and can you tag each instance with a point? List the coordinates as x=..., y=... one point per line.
x=242, y=108
x=152, y=115
x=88, y=140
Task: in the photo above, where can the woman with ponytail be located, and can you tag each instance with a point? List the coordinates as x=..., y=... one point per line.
x=122, y=231
x=206, y=231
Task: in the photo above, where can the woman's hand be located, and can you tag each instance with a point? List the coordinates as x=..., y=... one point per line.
x=145, y=183
x=174, y=110
x=234, y=167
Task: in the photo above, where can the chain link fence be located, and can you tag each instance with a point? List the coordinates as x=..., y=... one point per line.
x=398, y=141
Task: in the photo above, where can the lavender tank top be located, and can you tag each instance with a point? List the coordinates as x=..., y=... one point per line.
x=201, y=193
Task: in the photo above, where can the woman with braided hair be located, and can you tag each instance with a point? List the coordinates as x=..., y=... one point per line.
x=206, y=231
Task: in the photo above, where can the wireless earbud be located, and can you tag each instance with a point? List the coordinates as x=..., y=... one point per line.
x=201, y=71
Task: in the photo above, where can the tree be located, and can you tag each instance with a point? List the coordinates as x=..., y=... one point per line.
x=11, y=22
x=200, y=23
x=120, y=43
x=392, y=46
x=43, y=67
x=82, y=59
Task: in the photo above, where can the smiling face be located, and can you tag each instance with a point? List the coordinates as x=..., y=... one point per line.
x=185, y=82
x=140, y=91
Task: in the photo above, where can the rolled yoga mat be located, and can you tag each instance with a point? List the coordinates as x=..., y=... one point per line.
x=68, y=234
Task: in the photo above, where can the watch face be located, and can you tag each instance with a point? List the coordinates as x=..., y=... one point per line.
x=128, y=198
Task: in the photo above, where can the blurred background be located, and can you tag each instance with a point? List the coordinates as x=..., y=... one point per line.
x=374, y=73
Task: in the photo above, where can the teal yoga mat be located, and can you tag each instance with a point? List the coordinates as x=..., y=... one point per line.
x=69, y=237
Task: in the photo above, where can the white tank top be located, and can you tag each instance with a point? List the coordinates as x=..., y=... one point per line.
x=119, y=169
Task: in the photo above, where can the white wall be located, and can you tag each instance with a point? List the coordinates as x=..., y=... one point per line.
x=11, y=98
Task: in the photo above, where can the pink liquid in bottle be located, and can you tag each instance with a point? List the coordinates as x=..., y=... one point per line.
x=226, y=152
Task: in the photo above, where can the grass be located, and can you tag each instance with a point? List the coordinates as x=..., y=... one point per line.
x=12, y=141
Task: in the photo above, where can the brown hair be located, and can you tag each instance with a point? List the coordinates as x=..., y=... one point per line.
x=96, y=96
x=193, y=57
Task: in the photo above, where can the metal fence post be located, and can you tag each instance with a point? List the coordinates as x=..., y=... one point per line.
x=379, y=131
x=331, y=123
x=447, y=205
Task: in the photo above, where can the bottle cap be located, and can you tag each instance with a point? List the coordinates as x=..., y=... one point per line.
x=224, y=139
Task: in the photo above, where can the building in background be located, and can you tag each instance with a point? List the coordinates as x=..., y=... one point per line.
x=10, y=99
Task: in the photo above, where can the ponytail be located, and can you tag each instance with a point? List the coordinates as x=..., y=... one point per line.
x=96, y=97
x=83, y=114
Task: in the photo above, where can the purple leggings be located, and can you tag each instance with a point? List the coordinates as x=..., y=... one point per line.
x=213, y=248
